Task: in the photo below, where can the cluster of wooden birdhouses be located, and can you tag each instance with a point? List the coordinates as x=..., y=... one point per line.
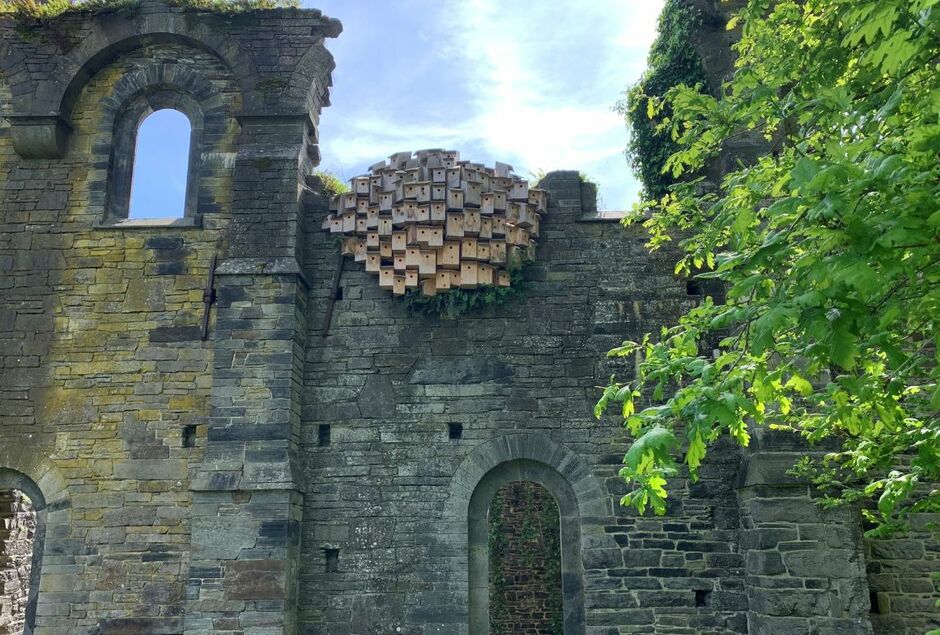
x=434, y=222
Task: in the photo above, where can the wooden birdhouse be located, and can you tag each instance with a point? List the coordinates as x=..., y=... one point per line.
x=412, y=257
x=471, y=221
x=438, y=212
x=428, y=264
x=373, y=263
x=450, y=254
x=455, y=225
x=455, y=200
x=486, y=228
x=349, y=222
x=484, y=274
x=399, y=241
x=468, y=274
x=443, y=280
x=468, y=248
x=386, y=277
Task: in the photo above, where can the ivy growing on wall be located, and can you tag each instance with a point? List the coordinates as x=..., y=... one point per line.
x=454, y=303
x=524, y=538
x=672, y=61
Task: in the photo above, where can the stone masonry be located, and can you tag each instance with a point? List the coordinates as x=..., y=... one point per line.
x=293, y=468
x=17, y=532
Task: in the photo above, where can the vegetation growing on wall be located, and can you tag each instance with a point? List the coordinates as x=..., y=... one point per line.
x=37, y=11
x=829, y=248
x=524, y=561
x=454, y=303
x=672, y=61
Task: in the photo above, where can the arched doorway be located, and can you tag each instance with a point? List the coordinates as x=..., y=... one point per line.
x=523, y=476
x=525, y=561
x=22, y=529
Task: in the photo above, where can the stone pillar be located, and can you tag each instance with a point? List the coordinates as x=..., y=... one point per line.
x=247, y=505
x=805, y=566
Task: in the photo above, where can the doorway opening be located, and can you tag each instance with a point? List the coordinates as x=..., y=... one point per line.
x=524, y=543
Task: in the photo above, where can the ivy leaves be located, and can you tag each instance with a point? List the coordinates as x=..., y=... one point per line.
x=827, y=247
x=672, y=61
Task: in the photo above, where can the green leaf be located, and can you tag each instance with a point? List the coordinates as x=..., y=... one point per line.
x=656, y=442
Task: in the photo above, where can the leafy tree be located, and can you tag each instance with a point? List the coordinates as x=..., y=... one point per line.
x=671, y=61
x=828, y=247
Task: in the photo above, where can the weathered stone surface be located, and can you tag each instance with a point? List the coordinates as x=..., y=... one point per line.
x=186, y=483
x=460, y=371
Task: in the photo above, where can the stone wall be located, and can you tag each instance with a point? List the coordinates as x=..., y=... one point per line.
x=525, y=561
x=902, y=578
x=17, y=533
x=115, y=402
x=287, y=473
x=389, y=384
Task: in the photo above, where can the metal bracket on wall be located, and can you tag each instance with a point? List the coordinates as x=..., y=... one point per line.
x=337, y=275
x=208, y=298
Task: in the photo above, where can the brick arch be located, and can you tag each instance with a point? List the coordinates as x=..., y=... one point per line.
x=522, y=457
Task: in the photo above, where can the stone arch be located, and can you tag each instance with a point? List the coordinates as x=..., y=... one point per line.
x=41, y=118
x=136, y=95
x=51, y=505
x=523, y=457
x=103, y=47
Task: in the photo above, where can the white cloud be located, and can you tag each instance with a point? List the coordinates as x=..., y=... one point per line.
x=528, y=83
x=546, y=76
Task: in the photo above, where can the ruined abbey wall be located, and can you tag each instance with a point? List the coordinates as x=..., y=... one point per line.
x=296, y=467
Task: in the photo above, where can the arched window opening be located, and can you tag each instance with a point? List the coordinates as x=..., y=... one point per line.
x=524, y=543
x=18, y=534
x=161, y=166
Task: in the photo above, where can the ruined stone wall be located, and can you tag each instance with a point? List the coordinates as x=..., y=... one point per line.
x=111, y=398
x=286, y=475
x=17, y=533
x=389, y=384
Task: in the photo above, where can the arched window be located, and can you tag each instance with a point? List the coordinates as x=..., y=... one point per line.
x=161, y=166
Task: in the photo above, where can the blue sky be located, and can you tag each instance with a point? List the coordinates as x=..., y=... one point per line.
x=531, y=83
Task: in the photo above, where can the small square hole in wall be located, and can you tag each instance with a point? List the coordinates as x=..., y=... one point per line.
x=332, y=560
x=339, y=293
x=701, y=597
x=693, y=287
x=189, y=436
x=455, y=431
x=323, y=435
x=873, y=599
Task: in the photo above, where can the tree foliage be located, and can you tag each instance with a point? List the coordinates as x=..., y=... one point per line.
x=828, y=247
x=672, y=61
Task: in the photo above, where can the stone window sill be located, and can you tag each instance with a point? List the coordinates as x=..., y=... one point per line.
x=149, y=223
